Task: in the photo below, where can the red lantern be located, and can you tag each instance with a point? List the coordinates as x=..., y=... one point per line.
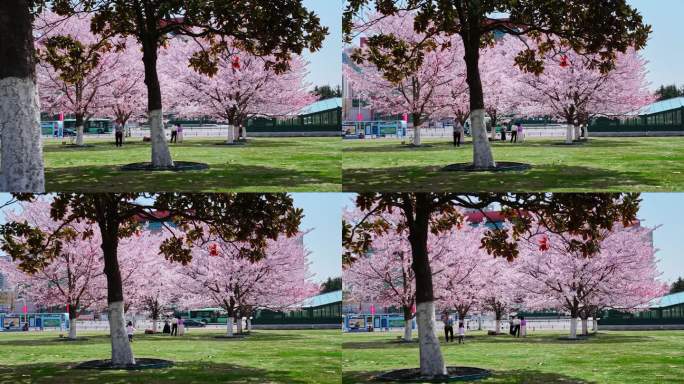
x=413, y=309
x=60, y=117
x=544, y=244
x=235, y=63
x=24, y=309
x=564, y=63
x=372, y=309
x=213, y=250
x=359, y=117
x=67, y=308
x=405, y=117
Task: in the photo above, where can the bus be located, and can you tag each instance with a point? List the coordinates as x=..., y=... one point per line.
x=92, y=126
x=205, y=315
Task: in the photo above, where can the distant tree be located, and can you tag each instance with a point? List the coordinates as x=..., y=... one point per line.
x=327, y=92
x=331, y=285
x=677, y=286
x=669, y=92
x=592, y=27
x=585, y=216
x=248, y=221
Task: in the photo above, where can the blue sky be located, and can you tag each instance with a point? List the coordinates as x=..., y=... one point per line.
x=326, y=64
x=322, y=216
x=665, y=49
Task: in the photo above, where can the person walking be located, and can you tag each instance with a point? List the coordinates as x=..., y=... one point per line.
x=448, y=327
x=174, y=326
x=180, y=133
x=174, y=133
x=118, y=134
x=516, y=327
x=167, y=327
x=129, y=331
x=523, y=327
x=181, y=327
x=459, y=132
x=461, y=332
x=514, y=133
x=511, y=326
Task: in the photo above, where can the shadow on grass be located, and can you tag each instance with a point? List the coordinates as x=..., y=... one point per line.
x=484, y=339
x=182, y=372
x=447, y=144
x=221, y=177
x=100, y=146
x=55, y=341
x=498, y=377
x=541, y=177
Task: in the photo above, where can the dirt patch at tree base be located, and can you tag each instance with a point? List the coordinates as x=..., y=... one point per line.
x=454, y=374
x=178, y=166
x=141, y=363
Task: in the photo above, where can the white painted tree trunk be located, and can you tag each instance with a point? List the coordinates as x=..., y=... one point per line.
x=239, y=325
x=231, y=134
x=578, y=132
x=72, y=329
x=154, y=325
x=244, y=132
x=482, y=152
x=229, y=326
x=568, y=134
x=122, y=354
x=492, y=134
x=586, y=131
x=161, y=156
x=595, y=324
x=498, y=326
x=573, y=328
x=585, y=326
x=431, y=360
x=79, y=135
x=21, y=149
x=408, y=330
x=416, y=136
x=248, y=324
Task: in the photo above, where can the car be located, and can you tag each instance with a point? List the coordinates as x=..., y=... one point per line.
x=194, y=323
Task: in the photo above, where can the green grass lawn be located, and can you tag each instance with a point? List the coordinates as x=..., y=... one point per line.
x=610, y=357
x=602, y=164
x=263, y=165
x=263, y=357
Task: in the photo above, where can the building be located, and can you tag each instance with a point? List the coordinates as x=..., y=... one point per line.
x=663, y=118
x=665, y=312
x=320, y=311
x=321, y=118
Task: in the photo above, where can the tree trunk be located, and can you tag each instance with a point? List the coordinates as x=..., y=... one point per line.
x=416, y=129
x=408, y=324
x=498, y=326
x=585, y=327
x=573, y=327
x=79, y=129
x=431, y=360
x=229, y=326
x=154, y=325
x=482, y=152
x=72, y=328
x=21, y=152
x=122, y=355
x=569, y=133
x=248, y=324
x=239, y=324
x=161, y=156
x=578, y=132
x=231, y=134
x=595, y=324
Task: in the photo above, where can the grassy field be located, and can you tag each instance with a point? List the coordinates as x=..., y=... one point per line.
x=602, y=164
x=263, y=165
x=610, y=357
x=264, y=357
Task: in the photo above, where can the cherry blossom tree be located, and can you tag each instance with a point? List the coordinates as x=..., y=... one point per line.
x=622, y=274
x=426, y=91
x=75, y=279
x=75, y=67
x=124, y=95
x=501, y=291
x=218, y=273
x=570, y=89
x=241, y=88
